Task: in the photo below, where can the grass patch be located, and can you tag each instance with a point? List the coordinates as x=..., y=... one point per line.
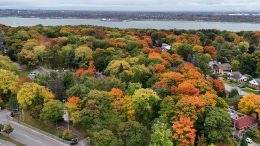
x=232, y=83
x=23, y=73
x=49, y=128
x=249, y=90
x=6, y=138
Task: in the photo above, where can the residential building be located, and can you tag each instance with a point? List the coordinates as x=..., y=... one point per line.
x=237, y=77
x=222, y=68
x=242, y=122
x=165, y=47
x=255, y=83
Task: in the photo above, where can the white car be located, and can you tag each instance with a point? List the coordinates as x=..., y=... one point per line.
x=249, y=140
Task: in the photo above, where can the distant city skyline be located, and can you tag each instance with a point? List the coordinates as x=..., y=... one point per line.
x=135, y=5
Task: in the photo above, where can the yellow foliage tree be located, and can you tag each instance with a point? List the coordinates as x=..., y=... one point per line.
x=249, y=103
x=8, y=82
x=32, y=94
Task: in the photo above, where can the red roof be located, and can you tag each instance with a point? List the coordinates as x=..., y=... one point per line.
x=245, y=122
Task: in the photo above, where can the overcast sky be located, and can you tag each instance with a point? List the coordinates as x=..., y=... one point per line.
x=135, y=5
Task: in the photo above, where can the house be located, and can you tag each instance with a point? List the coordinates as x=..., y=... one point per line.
x=211, y=64
x=237, y=77
x=255, y=83
x=242, y=122
x=221, y=68
x=165, y=47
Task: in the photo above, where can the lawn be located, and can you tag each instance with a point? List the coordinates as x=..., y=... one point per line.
x=23, y=73
x=49, y=128
x=6, y=138
x=249, y=90
x=232, y=83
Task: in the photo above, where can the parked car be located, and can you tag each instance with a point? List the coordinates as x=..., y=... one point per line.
x=33, y=75
x=241, y=86
x=249, y=140
x=74, y=141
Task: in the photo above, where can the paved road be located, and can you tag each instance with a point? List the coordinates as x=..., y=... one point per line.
x=26, y=135
x=229, y=88
x=5, y=143
x=254, y=144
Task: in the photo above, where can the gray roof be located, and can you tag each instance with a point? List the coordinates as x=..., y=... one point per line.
x=224, y=66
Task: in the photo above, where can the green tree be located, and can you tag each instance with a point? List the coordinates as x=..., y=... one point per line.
x=183, y=49
x=105, y=138
x=133, y=134
x=243, y=47
x=202, y=61
x=161, y=135
x=97, y=112
x=143, y=102
x=166, y=109
x=235, y=65
x=218, y=125
x=132, y=87
x=258, y=69
x=52, y=111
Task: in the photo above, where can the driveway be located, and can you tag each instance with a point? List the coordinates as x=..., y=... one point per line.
x=229, y=88
x=28, y=136
x=254, y=144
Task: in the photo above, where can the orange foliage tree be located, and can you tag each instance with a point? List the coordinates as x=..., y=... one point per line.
x=169, y=79
x=183, y=131
x=80, y=72
x=73, y=102
x=117, y=92
x=189, y=106
x=91, y=68
x=211, y=50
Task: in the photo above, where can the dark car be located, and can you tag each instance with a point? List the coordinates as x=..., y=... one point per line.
x=74, y=141
x=241, y=86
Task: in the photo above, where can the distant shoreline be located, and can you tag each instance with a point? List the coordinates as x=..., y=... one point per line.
x=100, y=19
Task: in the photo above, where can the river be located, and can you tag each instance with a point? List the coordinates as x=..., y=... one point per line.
x=156, y=24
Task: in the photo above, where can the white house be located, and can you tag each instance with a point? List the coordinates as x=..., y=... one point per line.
x=255, y=83
x=237, y=77
x=166, y=47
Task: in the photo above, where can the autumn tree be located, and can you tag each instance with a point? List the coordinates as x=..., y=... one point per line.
x=183, y=131
x=32, y=96
x=8, y=82
x=83, y=55
x=249, y=104
x=7, y=64
x=27, y=57
x=116, y=67
x=190, y=106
